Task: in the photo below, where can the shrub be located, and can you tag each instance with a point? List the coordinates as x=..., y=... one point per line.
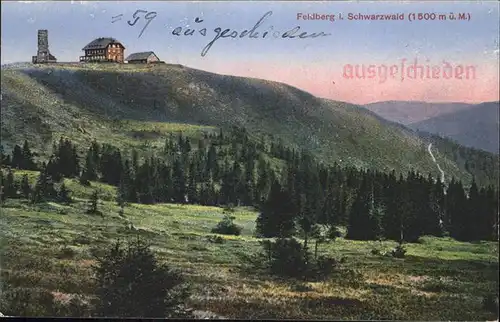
x=83, y=180
x=399, y=251
x=333, y=233
x=82, y=240
x=227, y=227
x=64, y=194
x=121, y=212
x=132, y=283
x=300, y=287
x=490, y=303
x=216, y=239
x=325, y=266
x=228, y=209
x=286, y=257
x=66, y=253
x=27, y=302
x=76, y=306
x=348, y=277
x=439, y=286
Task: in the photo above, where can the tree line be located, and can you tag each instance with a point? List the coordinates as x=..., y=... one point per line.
x=294, y=192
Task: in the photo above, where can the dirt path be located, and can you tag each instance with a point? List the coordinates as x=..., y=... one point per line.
x=434, y=159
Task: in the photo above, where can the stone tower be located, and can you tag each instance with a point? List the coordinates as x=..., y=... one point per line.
x=43, y=54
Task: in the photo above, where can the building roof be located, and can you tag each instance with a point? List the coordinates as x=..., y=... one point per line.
x=140, y=56
x=101, y=43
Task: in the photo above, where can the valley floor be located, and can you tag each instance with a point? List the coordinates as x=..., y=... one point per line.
x=51, y=246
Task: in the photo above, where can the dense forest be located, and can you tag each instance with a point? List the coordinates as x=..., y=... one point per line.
x=292, y=190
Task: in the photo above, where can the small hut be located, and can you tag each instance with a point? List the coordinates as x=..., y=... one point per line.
x=147, y=57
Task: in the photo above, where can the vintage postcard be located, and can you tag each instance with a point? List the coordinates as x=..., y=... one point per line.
x=250, y=160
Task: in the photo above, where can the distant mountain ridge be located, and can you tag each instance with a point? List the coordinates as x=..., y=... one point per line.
x=408, y=112
x=476, y=127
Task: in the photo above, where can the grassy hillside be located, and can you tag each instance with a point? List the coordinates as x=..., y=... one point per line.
x=135, y=106
x=49, y=248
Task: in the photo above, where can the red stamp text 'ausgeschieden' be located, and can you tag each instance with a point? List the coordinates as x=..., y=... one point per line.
x=412, y=71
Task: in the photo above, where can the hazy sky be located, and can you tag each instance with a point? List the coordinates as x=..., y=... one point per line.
x=313, y=64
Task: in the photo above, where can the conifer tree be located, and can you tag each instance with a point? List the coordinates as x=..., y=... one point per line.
x=65, y=158
x=135, y=163
x=437, y=204
x=44, y=187
x=64, y=195
x=179, y=181
x=27, y=157
x=61, y=159
x=155, y=181
x=307, y=223
x=484, y=211
x=75, y=162
x=2, y=186
x=277, y=216
x=121, y=193
x=473, y=214
x=10, y=185
x=229, y=182
x=25, y=187
x=17, y=161
x=364, y=218
x=211, y=163
x=248, y=188
x=128, y=183
x=144, y=182
x=168, y=185
x=192, y=189
x=427, y=217
x=4, y=158
x=84, y=178
x=90, y=168
x=329, y=210
x=491, y=227
x=187, y=146
x=456, y=208
x=263, y=181
x=54, y=170
x=93, y=203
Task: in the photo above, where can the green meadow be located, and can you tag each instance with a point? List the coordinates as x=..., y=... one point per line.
x=49, y=248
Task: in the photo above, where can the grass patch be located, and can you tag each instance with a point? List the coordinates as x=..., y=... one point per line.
x=43, y=249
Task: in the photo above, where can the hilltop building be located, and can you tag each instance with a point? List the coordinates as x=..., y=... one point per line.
x=147, y=57
x=103, y=50
x=43, y=55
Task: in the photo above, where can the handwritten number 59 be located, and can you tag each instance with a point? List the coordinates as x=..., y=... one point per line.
x=149, y=16
x=135, y=16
